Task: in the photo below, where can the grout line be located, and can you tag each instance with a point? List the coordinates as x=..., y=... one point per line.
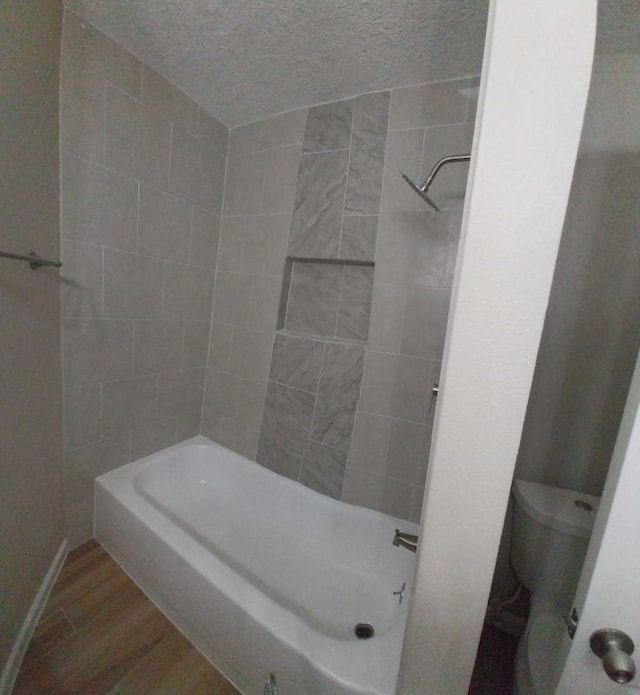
x=395, y=419
x=422, y=156
x=387, y=447
x=143, y=69
x=346, y=181
x=171, y=125
x=434, y=126
x=190, y=255
x=164, y=288
x=288, y=386
x=103, y=166
x=214, y=289
x=385, y=477
x=384, y=173
x=139, y=192
x=182, y=347
x=261, y=162
x=104, y=126
x=405, y=299
x=287, y=283
x=339, y=149
x=100, y=165
x=123, y=91
x=277, y=147
x=332, y=339
x=256, y=214
x=101, y=282
x=315, y=409
x=133, y=351
x=338, y=308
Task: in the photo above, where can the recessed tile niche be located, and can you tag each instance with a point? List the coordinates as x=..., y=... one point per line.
x=325, y=298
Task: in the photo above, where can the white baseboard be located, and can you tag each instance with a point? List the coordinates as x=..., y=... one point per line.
x=12, y=667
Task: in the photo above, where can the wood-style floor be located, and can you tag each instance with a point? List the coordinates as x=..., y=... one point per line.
x=99, y=634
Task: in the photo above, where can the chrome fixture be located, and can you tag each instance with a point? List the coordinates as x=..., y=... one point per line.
x=270, y=687
x=32, y=259
x=406, y=540
x=400, y=594
x=434, y=394
x=615, y=648
x=422, y=190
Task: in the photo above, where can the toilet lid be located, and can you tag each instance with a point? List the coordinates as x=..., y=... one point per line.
x=563, y=510
x=544, y=638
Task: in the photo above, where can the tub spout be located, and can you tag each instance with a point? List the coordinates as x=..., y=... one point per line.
x=406, y=540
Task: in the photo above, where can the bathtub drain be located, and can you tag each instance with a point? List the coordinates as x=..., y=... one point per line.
x=363, y=631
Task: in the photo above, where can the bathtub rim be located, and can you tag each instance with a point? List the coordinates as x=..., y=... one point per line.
x=388, y=645
x=201, y=440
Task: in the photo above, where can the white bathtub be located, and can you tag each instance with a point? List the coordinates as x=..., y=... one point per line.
x=262, y=574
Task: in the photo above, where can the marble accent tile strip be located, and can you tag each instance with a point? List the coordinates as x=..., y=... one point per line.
x=318, y=207
x=286, y=424
x=368, y=140
x=323, y=469
x=328, y=127
x=338, y=395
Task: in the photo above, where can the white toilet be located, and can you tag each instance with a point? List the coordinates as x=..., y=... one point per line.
x=551, y=529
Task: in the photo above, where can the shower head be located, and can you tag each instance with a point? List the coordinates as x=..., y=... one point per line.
x=420, y=191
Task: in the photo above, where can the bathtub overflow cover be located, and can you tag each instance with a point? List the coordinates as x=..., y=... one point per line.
x=363, y=631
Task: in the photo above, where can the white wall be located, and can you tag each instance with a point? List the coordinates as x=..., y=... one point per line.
x=527, y=132
x=591, y=333
x=607, y=594
x=31, y=494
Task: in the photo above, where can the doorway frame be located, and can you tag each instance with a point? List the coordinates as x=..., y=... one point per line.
x=533, y=93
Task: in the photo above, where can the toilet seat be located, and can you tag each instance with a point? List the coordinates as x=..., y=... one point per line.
x=537, y=667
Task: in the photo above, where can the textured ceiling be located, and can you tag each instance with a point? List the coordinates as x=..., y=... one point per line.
x=618, y=26
x=246, y=59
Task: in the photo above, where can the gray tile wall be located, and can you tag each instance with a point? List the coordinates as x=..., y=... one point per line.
x=324, y=183
x=309, y=410
x=337, y=199
x=149, y=358
x=415, y=260
x=262, y=173
x=326, y=293
x=142, y=176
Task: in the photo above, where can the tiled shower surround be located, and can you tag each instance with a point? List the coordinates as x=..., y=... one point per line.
x=142, y=176
x=330, y=386
x=322, y=185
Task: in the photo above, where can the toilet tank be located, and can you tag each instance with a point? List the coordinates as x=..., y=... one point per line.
x=551, y=530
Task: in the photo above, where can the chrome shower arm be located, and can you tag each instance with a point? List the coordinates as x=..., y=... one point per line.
x=439, y=164
x=422, y=190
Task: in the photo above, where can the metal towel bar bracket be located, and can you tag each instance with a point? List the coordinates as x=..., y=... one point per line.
x=32, y=259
